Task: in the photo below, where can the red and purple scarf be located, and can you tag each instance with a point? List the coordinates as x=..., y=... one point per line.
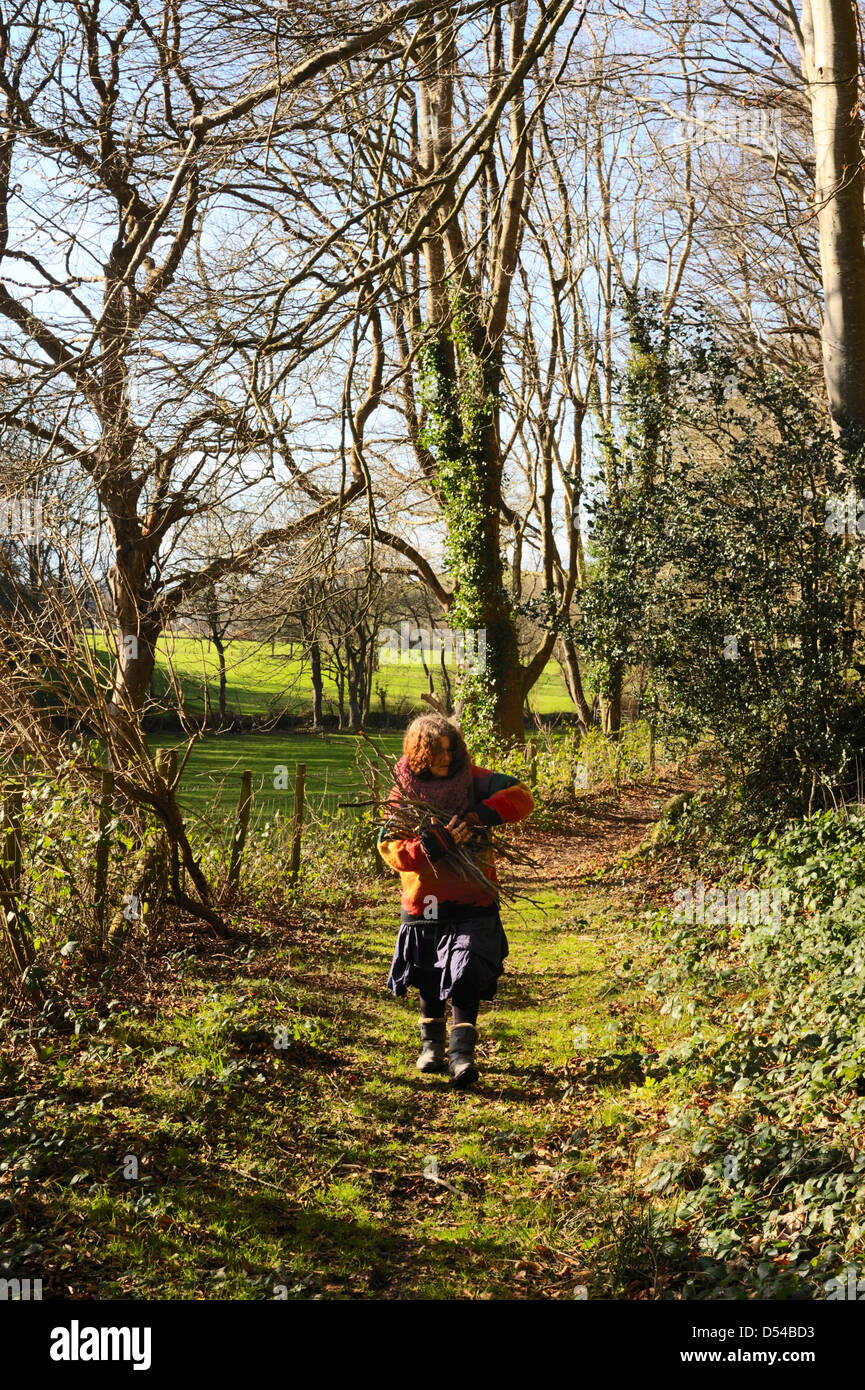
x=449, y=795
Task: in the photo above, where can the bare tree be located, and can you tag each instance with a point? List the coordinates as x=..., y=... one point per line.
x=448, y=301
x=159, y=325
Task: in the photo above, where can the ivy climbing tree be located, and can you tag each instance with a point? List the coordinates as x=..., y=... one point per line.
x=614, y=607
x=461, y=377
x=449, y=303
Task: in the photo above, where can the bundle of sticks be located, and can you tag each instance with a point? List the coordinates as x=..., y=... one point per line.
x=407, y=818
x=404, y=817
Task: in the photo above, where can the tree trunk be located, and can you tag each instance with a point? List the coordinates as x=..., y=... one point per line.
x=490, y=606
x=368, y=668
x=317, y=685
x=136, y=658
x=574, y=682
x=220, y=652
x=612, y=705
x=508, y=685
x=446, y=681
x=340, y=698
x=831, y=69
x=355, y=713
x=517, y=568
x=509, y=711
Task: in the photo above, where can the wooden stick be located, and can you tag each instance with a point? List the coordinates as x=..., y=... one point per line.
x=241, y=829
x=299, y=785
x=14, y=923
x=533, y=762
x=12, y=815
x=380, y=866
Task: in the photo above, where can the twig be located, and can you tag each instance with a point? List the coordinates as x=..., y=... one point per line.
x=407, y=817
x=251, y=1177
x=443, y=1182
x=562, y=1256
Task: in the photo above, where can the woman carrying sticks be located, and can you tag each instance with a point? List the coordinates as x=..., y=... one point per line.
x=451, y=943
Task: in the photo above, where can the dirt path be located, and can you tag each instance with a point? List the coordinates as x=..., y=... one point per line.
x=600, y=828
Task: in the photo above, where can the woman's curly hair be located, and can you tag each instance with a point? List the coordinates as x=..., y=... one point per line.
x=422, y=739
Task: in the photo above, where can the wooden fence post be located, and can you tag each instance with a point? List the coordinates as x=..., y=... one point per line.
x=103, y=849
x=241, y=828
x=299, y=785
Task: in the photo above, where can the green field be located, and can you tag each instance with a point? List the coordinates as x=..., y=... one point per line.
x=265, y=682
x=211, y=780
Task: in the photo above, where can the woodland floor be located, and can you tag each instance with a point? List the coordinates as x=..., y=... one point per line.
x=179, y=1154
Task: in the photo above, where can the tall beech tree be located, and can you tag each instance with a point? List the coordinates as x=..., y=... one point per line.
x=450, y=302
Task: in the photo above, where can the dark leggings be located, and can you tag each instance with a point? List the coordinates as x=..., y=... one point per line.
x=464, y=999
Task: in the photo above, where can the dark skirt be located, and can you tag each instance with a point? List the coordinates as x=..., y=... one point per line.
x=468, y=952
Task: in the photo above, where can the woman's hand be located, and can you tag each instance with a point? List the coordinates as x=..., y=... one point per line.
x=461, y=827
x=438, y=840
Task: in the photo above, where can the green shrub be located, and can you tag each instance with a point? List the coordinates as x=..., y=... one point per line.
x=769, y=1175
x=715, y=566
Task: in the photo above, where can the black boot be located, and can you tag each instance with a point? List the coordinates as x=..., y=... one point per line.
x=432, y=1054
x=461, y=1063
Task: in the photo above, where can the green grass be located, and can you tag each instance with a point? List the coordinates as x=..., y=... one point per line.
x=211, y=780
x=260, y=682
x=310, y=1171
x=244, y=1121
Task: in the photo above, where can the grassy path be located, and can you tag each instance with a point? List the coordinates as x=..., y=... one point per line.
x=483, y=1194
x=178, y=1153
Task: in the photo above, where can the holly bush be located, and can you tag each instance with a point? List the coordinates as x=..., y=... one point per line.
x=714, y=564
